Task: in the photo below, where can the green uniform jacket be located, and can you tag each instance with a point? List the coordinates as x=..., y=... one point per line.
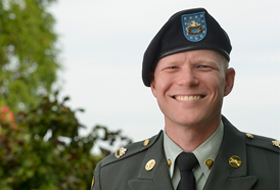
x=259, y=169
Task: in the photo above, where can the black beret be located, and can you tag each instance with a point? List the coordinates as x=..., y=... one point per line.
x=190, y=29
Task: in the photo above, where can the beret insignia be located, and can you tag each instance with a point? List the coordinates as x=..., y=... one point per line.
x=194, y=26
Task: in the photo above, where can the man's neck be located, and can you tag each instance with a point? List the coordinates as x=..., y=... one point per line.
x=190, y=137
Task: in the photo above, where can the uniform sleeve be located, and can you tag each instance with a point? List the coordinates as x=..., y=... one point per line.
x=96, y=180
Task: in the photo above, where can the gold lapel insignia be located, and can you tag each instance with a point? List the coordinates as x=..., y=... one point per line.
x=276, y=143
x=169, y=162
x=250, y=136
x=150, y=165
x=209, y=163
x=235, y=161
x=146, y=142
x=120, y=152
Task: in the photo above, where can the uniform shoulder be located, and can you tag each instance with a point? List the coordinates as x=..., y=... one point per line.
x=263, y=142
x=129, y=150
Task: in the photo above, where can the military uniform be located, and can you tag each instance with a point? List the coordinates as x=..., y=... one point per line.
x=257, y=168
x=243, y=161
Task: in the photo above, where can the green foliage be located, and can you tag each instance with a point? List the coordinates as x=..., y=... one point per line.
x=32, y=160
x=28, y=56
x=40, y=148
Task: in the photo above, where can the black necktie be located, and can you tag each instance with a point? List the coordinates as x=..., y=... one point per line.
x=186, y=162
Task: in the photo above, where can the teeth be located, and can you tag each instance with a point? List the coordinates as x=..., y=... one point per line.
x=188, y=98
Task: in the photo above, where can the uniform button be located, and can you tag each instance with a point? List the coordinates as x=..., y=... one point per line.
x=250, y=136
x=146, y=142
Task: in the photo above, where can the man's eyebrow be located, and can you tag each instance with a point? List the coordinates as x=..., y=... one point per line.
x=169, y=62
x=207, y=60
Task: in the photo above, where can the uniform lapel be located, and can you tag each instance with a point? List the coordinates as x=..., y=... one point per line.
x=158, y=177
x=223, y=175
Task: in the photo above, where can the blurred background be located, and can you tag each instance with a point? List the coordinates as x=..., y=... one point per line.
x=71, y=90
x=103, y=42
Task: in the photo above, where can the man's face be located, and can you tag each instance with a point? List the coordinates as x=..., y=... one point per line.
x=190, y=87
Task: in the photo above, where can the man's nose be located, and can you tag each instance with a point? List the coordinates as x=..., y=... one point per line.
x=188, y=78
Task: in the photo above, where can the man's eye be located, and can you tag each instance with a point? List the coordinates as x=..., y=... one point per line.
x=173, y=67
x=203, y=66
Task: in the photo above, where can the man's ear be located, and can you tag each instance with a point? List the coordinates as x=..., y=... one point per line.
x=152, y=84
x=230, y=75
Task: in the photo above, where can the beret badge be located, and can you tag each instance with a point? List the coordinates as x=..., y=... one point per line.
x=194, y=26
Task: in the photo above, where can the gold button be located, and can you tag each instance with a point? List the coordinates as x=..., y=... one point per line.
x=250, y=136
x=146, y=142
x=150, y=165
x=235, y=161
x=209, y=163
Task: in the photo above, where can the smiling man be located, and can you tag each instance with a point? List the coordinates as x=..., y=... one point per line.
x=189, y=87
x=187, y=67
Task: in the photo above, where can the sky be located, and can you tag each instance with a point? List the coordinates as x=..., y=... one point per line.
x=102, y=45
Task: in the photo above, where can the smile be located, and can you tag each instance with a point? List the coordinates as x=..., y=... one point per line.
x=188, y=98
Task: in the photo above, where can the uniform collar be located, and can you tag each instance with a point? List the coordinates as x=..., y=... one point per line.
x=207, y=150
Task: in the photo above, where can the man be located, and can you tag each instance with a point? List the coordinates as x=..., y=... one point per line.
x=186, y=66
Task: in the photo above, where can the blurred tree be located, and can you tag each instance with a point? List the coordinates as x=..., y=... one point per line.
x=39, y=145
x=28, y=56
x=34, y=154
